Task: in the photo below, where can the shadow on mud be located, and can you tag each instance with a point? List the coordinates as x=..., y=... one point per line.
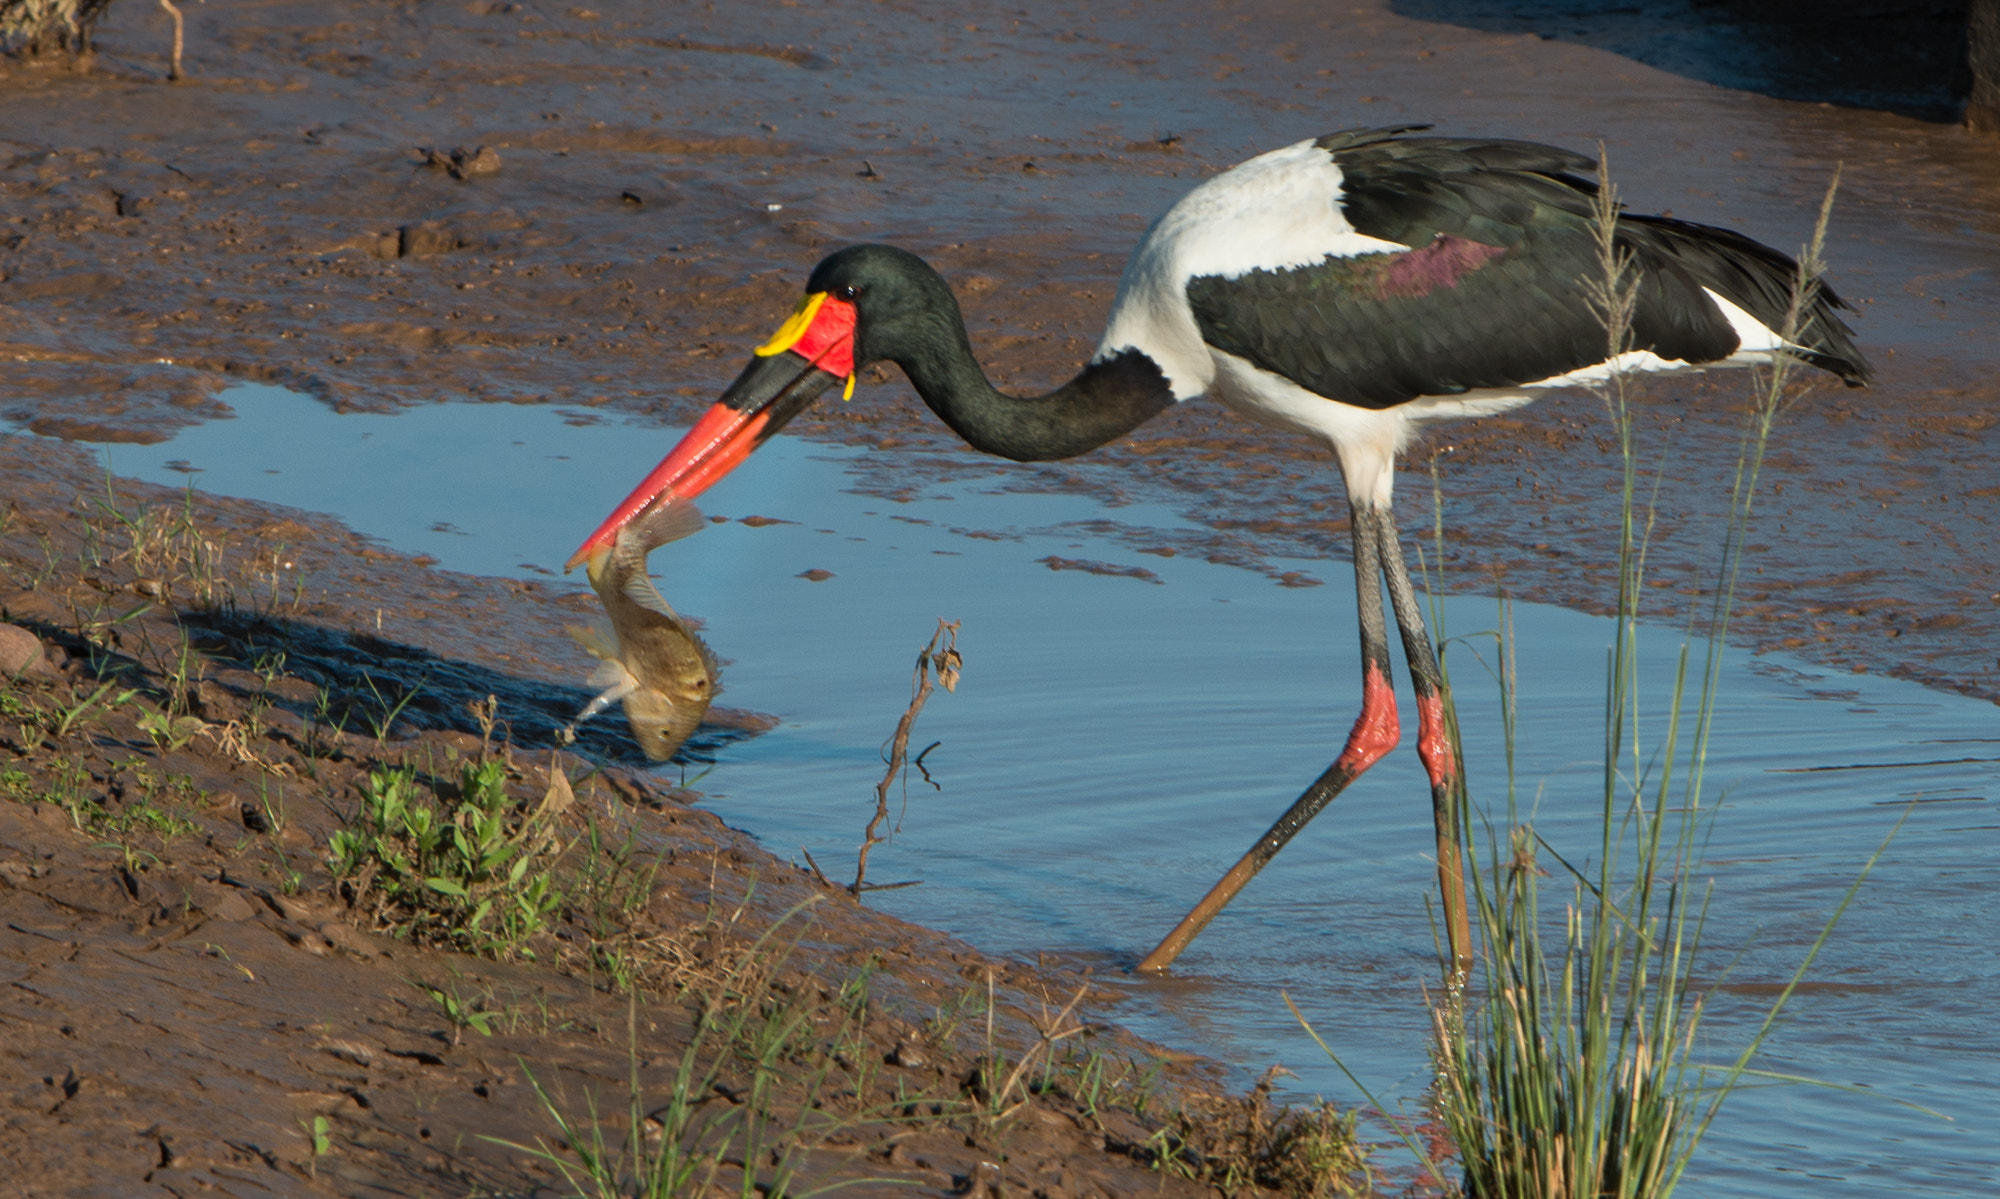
x=1903, y=58
x=337, y=680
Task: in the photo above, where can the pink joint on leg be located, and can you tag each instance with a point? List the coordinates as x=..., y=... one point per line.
x=1432, y=744
x=1376, y=731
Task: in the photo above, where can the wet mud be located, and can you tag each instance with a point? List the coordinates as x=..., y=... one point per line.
x=654, y=186
x=385, y=205
x=196, y=1005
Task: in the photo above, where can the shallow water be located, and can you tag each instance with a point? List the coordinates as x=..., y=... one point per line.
x=1117, y=742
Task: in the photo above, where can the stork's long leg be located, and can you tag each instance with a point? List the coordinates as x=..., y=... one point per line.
x=1433, y=741
x=1375, y=733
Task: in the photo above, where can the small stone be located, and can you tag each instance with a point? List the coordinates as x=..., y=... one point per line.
x=308, y=940
x=483, y=161
x=426, y=238
x=231, y=907
x=909, y=1056
x=348, y=939
x=349, y=1051
x=462, y=164
x=291, y=908
x=21, y=654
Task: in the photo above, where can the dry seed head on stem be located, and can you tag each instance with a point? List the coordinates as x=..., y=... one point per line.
x=939, y=658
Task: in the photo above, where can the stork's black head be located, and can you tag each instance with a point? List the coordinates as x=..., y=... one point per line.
x=900, y=303
x=862, y=304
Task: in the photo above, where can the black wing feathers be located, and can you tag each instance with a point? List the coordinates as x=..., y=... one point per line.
x=1757, y=279
x=1490, y=293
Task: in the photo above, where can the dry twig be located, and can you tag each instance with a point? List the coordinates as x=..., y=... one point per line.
x=940, y=655
x=174, y=73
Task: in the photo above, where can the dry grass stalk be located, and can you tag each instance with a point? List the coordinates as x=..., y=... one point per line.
x=1050, y=1032
x=174, y=73
x=1241, y=1143
x=941, y=656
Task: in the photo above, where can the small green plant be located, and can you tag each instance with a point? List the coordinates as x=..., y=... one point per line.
x=941, y=1029
x=164, y=545
x=319, y=1139
x=62, y=720
x=382, y=714
x=271, y=802
x=751, y=1040
x=608, y=885
x=323, y=729
x=70, y=789
x=169, y=732
x=461, y=1012
x=474, y=874
x=68, y=784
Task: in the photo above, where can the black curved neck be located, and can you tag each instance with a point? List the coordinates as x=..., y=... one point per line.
x=1106, y=401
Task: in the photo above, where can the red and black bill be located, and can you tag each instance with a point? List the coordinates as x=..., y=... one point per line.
x=810, y=353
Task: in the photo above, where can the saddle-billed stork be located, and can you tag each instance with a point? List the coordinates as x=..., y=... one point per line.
x=1353, y=288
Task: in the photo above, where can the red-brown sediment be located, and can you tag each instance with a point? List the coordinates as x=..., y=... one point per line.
x=667, y=179
x=185, y=1001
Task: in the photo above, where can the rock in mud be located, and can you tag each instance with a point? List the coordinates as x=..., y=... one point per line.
x=349, y=939
x=21, y=654
x=425, y=238
x=229, y=906
x=462, y=164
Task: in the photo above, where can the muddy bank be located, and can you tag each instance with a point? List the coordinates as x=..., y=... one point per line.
x=656, y=184
x=203, y=999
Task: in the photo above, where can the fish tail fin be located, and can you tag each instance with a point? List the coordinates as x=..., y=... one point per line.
x=598, y=638
x=667, y=523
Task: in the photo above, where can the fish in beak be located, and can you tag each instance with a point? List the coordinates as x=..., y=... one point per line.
x=811, y=352
x=651, y=661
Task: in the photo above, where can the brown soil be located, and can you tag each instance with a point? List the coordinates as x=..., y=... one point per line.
x=283, y=217
x=312, y=208
x=189, y=988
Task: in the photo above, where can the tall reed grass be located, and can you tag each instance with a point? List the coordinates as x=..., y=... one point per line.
x=1565, y=1068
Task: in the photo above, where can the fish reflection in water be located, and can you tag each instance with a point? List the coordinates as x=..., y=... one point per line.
x=651, y=660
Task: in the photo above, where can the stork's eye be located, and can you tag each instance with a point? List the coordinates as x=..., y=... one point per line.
x=848, y=291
